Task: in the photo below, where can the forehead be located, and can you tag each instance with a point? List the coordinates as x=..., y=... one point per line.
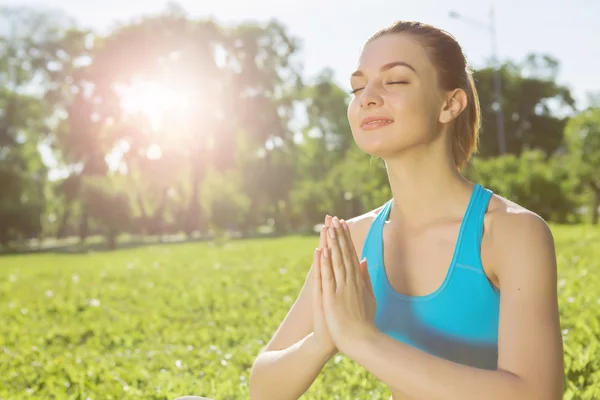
x=393, y=48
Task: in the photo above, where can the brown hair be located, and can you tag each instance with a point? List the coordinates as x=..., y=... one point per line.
x=453, y=72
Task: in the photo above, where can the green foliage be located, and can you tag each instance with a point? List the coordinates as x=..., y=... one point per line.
x=22, y=200
x=579, y=300
x=224, y=200
x=582, y=137
x=532, y=180
x=528, y=88
x=107, y=205
x=284, y=138
x=164, y=321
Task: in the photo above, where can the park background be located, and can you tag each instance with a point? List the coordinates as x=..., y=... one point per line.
x=163, y=167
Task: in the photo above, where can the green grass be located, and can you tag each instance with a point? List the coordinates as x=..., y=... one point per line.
x=162, y=321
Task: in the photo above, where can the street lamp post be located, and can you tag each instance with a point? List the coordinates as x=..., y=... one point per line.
x=497, y=105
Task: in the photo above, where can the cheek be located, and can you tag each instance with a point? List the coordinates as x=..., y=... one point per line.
x=412, y=108
x=352, y=112
x=405, y=103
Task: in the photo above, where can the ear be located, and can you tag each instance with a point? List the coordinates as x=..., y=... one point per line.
x=456, y=101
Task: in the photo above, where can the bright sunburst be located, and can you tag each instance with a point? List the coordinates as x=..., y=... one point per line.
x=154, y=100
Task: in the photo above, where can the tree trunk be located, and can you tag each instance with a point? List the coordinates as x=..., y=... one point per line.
x=596, y=205
x=251, y=221
x=111, y=239
x=83, y=225
x=191, y=224
x=62, y=228
x=143, y=224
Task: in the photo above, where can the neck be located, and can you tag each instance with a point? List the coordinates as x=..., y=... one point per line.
x=425, y=187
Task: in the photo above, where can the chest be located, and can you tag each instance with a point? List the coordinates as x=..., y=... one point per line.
x=416, y=262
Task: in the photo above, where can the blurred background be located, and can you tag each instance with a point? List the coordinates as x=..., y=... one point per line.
x=151, y=119
x=142, y=123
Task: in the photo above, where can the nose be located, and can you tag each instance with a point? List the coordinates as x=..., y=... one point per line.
x=370, y=97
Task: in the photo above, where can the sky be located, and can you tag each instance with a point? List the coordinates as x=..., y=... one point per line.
x=332, y=31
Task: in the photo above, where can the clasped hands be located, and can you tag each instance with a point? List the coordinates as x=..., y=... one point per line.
x=343, y=301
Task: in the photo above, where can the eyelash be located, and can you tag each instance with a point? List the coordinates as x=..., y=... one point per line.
x=389, y=83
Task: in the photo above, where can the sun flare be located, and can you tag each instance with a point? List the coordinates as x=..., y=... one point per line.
x=154, y=100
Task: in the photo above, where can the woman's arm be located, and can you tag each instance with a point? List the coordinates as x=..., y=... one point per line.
x=287, y=373
x=530, y=360
x=291, y=361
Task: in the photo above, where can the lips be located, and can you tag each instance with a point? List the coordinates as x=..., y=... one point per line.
x=374, y=122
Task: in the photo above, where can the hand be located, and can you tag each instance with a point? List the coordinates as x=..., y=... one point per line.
x=348, y=299
x=320, y=330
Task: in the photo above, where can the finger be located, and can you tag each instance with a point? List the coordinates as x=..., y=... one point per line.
x=350, y=242
x=322, y=243
x=323, y=237
x=328, y=220
x=337, y=261
x=348, y=253
x=327, y=277
x=349, y=236
x=317, y=289
x=364, y=268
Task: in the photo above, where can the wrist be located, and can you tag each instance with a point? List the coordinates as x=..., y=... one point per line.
x=361, y=340
x=314, y=348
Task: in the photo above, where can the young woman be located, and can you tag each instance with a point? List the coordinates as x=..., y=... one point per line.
x=455, y=296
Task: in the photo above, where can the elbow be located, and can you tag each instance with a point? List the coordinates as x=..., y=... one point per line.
x=254, y=394
x=540, y=391
x=255, y=387
x=519, y=388
x=548, y=390
x=541, y=394
x=254, y=390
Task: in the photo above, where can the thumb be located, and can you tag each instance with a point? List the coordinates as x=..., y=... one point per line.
x=364, y=269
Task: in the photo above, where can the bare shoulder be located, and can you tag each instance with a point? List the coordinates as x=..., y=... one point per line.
x=508, y=222
x=514, y=235
x=360, y=225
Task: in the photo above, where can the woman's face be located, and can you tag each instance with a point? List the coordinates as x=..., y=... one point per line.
x=396, y=102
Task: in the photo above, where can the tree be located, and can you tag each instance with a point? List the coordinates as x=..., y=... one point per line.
x=326, y=109
x=26, y=50
x=528, y=91
x=542, y=185
x=582, y=138
x=263, y=92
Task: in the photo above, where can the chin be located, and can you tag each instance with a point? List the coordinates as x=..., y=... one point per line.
x=379, y=150
x=388, y=143
x=376, y=145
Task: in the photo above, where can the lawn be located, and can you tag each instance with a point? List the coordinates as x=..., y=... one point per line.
x=160, y=321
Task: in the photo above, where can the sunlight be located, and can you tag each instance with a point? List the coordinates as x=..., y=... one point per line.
x=154, y=100
x=154, y=152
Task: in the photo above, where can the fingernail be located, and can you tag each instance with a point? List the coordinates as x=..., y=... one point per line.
x=325, y=252
x=332, y=233
x=336, y=222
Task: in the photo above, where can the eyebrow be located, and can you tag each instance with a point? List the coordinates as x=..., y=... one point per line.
x=387, y=67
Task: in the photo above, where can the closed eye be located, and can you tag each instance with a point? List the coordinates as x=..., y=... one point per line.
x=354, y=91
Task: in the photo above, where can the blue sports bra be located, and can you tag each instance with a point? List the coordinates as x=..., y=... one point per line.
x=458, y=321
